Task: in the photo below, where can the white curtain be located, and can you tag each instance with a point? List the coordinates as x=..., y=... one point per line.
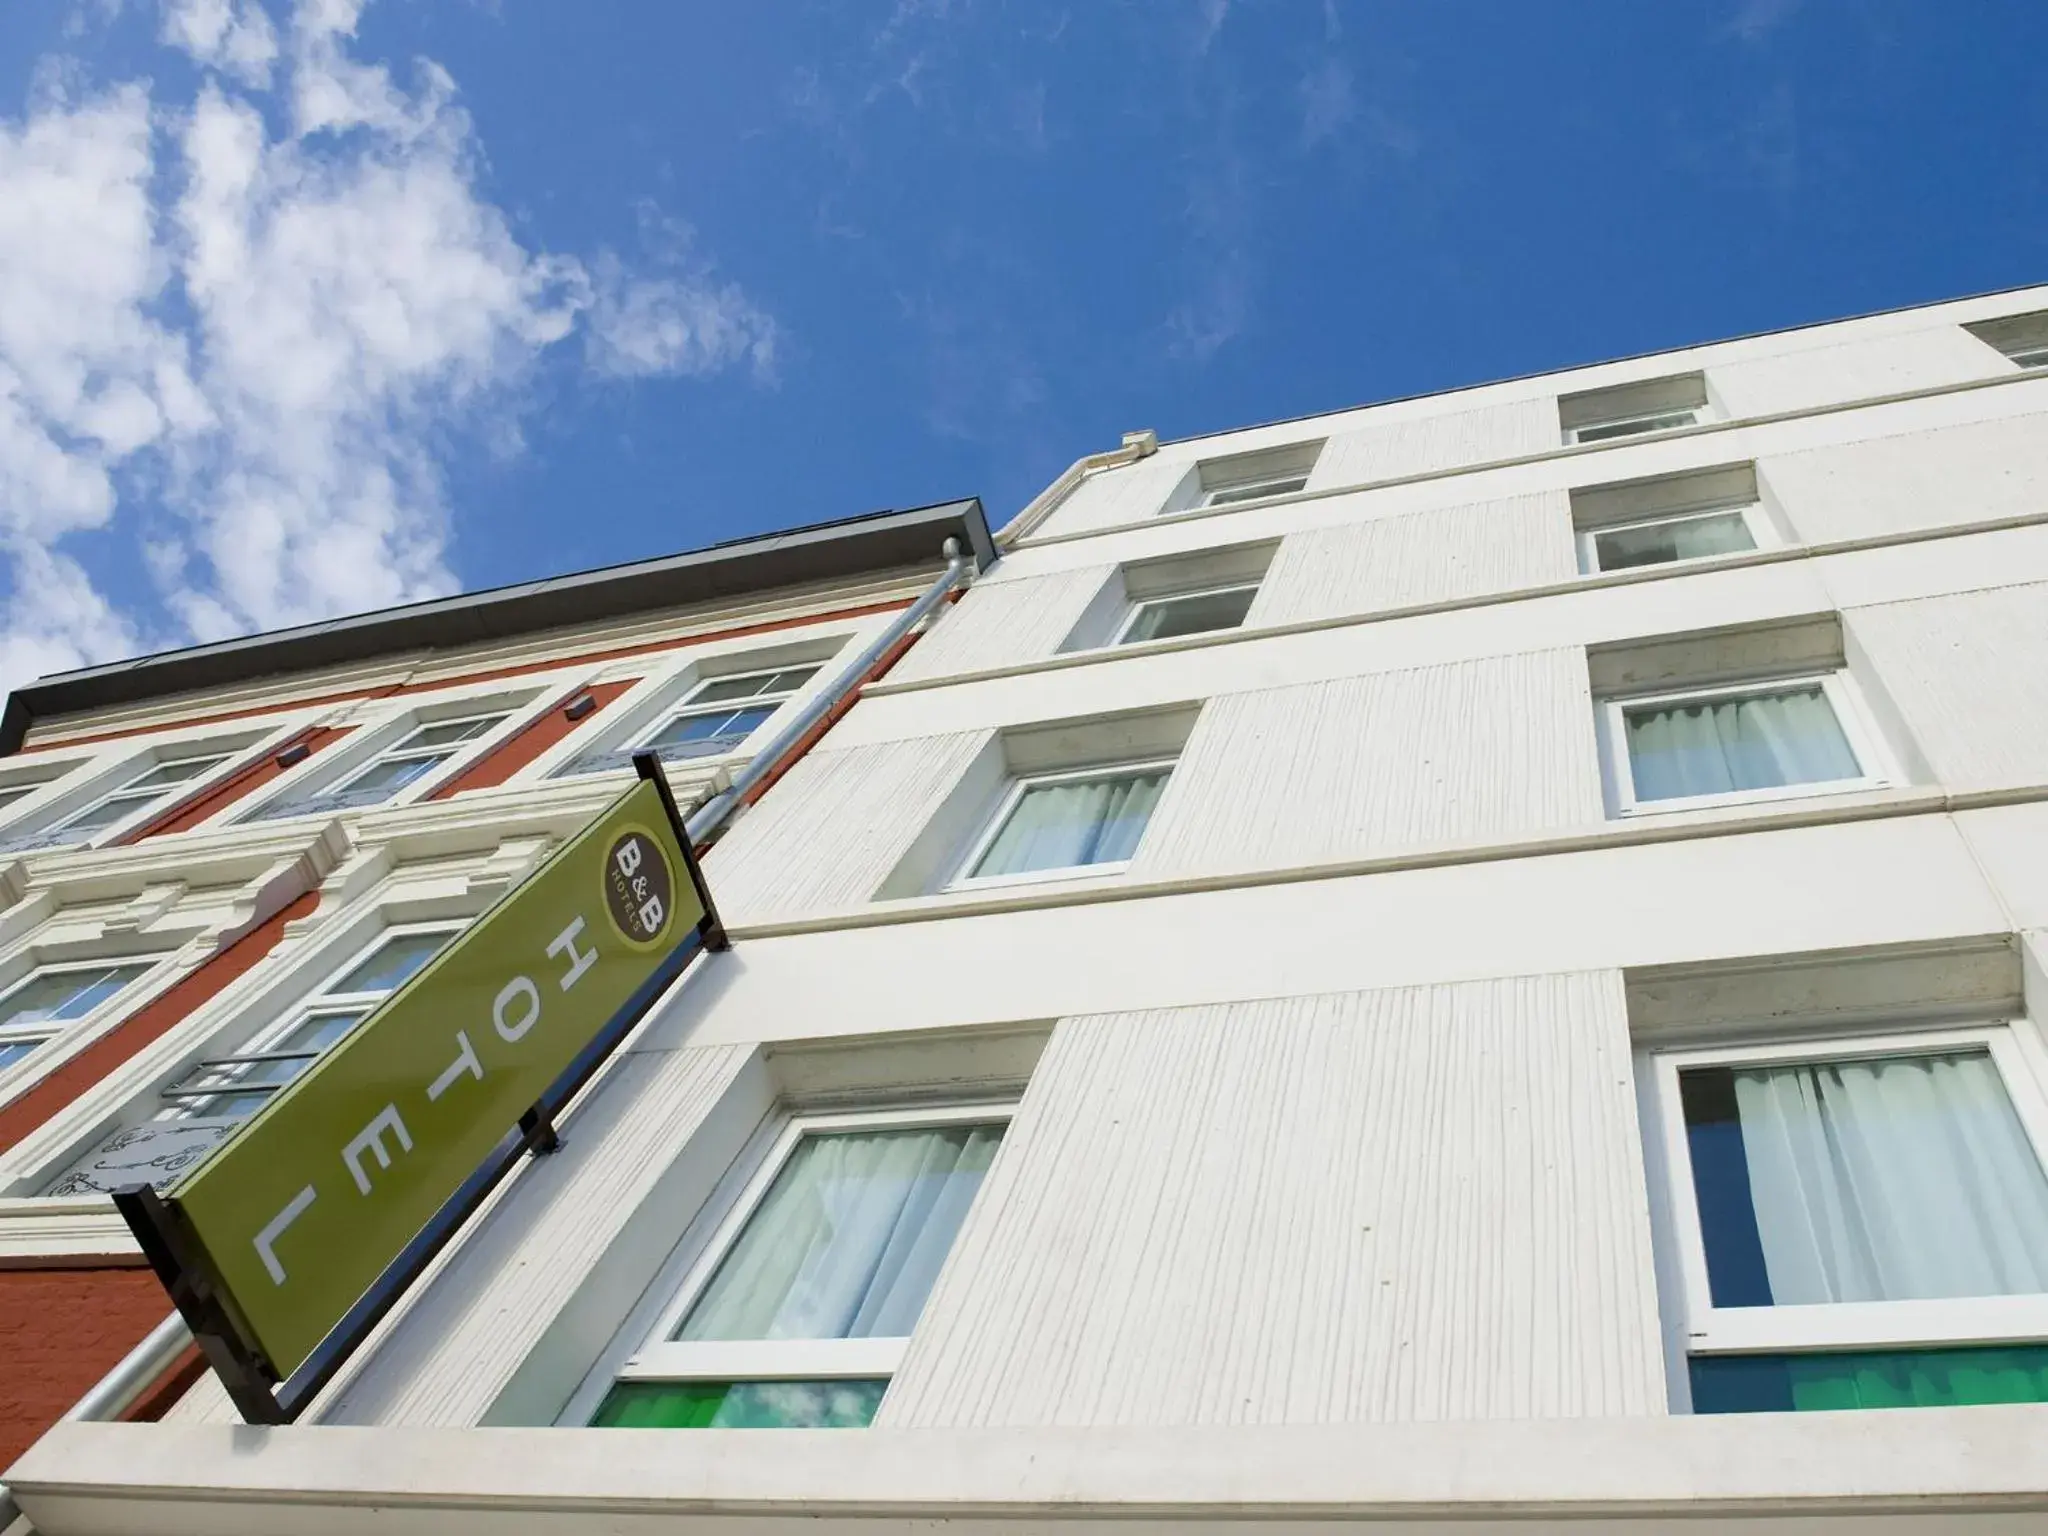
x=850, y=1237
x=1754, y=742
x=1891, y=1180
x=1063, y=826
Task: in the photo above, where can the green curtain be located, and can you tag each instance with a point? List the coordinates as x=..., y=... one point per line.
x=1892, y=1378
x=740, y=1405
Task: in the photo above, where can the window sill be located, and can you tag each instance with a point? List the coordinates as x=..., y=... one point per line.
x=38, y=1233
x=1948, y=1469
x=1872, y=1325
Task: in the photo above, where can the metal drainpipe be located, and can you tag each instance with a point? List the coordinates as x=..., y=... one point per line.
x=121, y=1388
x=127, y=1383
x=713, y=814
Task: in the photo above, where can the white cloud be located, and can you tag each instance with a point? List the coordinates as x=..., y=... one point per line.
x=240, y=349
x=234, y=36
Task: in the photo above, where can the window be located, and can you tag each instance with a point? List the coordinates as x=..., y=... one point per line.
x=1631, y=426
x=1859, y=1223
x=235, y=1087
x=1631, y=410
x=2022, y=338
x=1253, y=490
x=1088, y=821
x=9, y=793
x=413, y=756
x=1187, y=613
x=195, y=1113
x=722, y=712
x=1241, y=477
x=135, y=794
x=1664, y=540
x=801, y=1310
x=39, y=1006
x=717, y=717
x=1750, y=741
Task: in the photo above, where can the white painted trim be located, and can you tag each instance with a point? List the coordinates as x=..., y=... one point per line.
x=764, y=1360
x=1864, y=743
x=1931, y=1472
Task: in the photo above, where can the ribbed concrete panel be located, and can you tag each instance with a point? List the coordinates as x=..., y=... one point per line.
x=1424, y=557
x=834, y=827
x=1858, y=370
x=1004, y=622
x=461, y=1342
x=1113, y=496
x=1977, y=472
x=1322, y=772
x=1969, y=674
x=1424, y=1203
x=1450, y=441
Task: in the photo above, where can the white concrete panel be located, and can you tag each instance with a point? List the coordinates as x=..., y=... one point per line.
x=472, y=1327
x=1969, y=675
x=1002, y=623
x=1977, y=472
x=1626, y=459
x=1896, y=573
x=834, y=827
x=1889, y=881
x=1496, y=748
x=2011, y=843
x=1424, y=557
x=1483, y=434
x=1853, y=370
x=1687, y=600
x=1415, y=1204
x=1128, y=494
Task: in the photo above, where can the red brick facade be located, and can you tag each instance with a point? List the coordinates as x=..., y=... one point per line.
x=61, y=1330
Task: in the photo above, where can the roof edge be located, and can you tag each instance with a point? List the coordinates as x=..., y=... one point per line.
x=871, y=543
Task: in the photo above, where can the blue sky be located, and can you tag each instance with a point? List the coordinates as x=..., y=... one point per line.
x=312, y=305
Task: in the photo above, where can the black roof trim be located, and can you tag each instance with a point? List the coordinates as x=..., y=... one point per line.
x=873, y=543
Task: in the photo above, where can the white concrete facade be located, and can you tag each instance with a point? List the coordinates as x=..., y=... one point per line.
x=1339, y=1187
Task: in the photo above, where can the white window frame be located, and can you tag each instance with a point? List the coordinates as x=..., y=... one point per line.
x=2015, y=1049
x=1850, y=714
x=2029, y=356
x=1694, y=414
x=44, y=1031
x=1232, y=493
x=1013, y=794
x=212, y=760
x=445, y=754
x=314, y=1001
x=684, y=708
x=1761, y=535
x=1135, y=610
x=661, y=1358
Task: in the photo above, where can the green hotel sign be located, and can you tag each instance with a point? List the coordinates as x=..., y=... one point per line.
x=275, y=1240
